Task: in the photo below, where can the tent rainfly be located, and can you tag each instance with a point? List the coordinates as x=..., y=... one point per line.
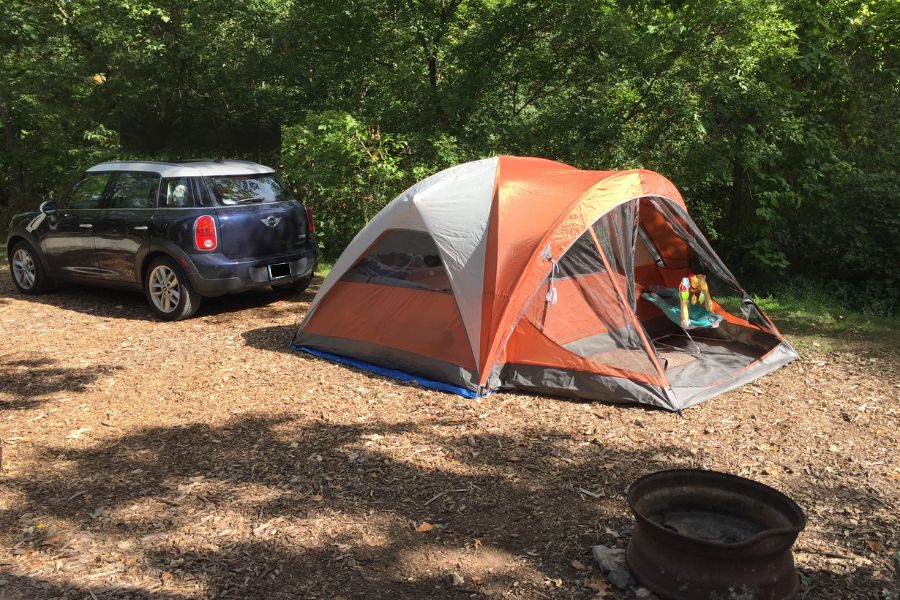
x=515, y=273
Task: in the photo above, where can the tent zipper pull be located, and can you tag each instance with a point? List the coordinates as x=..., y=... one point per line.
x=552, y=297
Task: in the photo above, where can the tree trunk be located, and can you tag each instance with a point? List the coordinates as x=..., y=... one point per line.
x=12, y=136
x=740, y=209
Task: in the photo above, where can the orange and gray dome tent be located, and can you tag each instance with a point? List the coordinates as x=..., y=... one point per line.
x=514, y=273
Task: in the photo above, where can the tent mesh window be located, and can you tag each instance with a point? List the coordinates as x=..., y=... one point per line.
x=703, y=355
x=590, y=318
x=403, y=258
x=581, y=259
x=616, y=232
x=701, y=258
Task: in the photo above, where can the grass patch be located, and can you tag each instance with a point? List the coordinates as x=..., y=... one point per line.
x=810, y=315
x=324, y=268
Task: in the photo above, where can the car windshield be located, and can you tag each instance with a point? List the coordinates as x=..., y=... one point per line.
x=248, y=189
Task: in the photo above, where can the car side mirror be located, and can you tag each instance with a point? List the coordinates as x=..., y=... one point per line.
x=48, y=207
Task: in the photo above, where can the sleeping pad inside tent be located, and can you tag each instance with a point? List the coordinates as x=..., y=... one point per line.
x=525, y=274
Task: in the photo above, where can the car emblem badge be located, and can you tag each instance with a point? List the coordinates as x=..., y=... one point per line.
x=271, y=221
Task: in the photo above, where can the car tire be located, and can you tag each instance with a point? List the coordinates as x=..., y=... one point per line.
x=27, y=271
x=295, y=287
x=169, y=291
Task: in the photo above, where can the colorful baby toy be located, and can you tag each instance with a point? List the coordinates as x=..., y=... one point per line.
x=684, y=291
x=693, y=290
x=699, y=291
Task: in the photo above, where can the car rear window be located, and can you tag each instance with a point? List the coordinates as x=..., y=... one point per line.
x=230, y=190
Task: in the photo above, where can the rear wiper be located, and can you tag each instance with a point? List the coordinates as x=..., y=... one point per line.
x=250, y=200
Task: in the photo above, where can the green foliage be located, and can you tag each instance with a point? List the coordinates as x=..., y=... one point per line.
x=344, y=171
x=854, y=239
x=778, y=120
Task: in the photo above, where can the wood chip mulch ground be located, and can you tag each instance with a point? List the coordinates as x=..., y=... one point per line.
x=204, y=459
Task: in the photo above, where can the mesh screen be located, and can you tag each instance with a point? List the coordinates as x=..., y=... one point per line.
x=591, y=317
x=403, y=258
x=596, y=286
x=723, y=286
x=581, y=259
x=616, y=231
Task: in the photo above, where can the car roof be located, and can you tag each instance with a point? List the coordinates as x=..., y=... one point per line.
x=190, y=168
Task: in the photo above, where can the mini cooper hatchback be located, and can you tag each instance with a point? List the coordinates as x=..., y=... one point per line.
x=178, y=231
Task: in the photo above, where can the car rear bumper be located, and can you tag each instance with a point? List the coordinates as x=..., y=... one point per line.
x=214, y=274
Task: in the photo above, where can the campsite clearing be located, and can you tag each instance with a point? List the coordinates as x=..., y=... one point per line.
x=204, y=459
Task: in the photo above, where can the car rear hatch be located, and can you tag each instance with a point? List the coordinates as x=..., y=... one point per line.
x=257, y=216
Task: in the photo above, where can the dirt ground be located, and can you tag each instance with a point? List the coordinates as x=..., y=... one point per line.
x=204, y=459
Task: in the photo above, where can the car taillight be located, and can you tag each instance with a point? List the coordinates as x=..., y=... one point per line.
x=205, y=233
x=310, y=224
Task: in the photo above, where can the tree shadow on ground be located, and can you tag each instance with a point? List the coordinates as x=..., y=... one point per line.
x=131, y=304
x=278, y=484
x=88, y=299
x=26, y=382
x=276, y=338
x=276, y=508
x=804, y=327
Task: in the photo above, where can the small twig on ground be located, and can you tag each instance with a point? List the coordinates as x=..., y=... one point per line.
x=828, y=553
x=444, y=493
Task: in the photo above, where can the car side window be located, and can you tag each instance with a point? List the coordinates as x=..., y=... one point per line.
x=88, y=193
x=177, y=192
x=134, y=190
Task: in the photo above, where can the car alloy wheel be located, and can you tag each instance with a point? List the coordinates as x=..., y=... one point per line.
x=165, y=289
x=24, y=269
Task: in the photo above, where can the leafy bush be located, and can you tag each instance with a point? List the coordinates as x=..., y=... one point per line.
x=344, y=171
x=852, y=239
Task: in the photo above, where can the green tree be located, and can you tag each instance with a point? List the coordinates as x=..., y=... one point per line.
x=344, y=171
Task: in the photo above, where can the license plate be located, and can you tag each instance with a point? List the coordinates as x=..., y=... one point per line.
x=279, y=270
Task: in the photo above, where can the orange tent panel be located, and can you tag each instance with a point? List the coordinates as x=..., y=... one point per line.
x=413, y=320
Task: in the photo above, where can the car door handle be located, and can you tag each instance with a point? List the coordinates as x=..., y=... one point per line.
x=85, y=225
x=140, y=228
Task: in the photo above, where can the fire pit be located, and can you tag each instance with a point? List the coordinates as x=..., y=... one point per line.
x=702, y=535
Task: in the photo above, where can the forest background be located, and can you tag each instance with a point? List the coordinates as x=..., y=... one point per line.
x=778, y=119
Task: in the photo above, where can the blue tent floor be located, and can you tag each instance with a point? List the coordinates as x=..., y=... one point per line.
x=392, y=373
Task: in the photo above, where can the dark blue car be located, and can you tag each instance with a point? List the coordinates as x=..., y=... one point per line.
x=178, y=231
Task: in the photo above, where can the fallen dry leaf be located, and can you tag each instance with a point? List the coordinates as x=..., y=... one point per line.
x=599, y=587
x=425, y=527
x=579, y=566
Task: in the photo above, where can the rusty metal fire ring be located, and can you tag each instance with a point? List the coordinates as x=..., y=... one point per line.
x=703, y=535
